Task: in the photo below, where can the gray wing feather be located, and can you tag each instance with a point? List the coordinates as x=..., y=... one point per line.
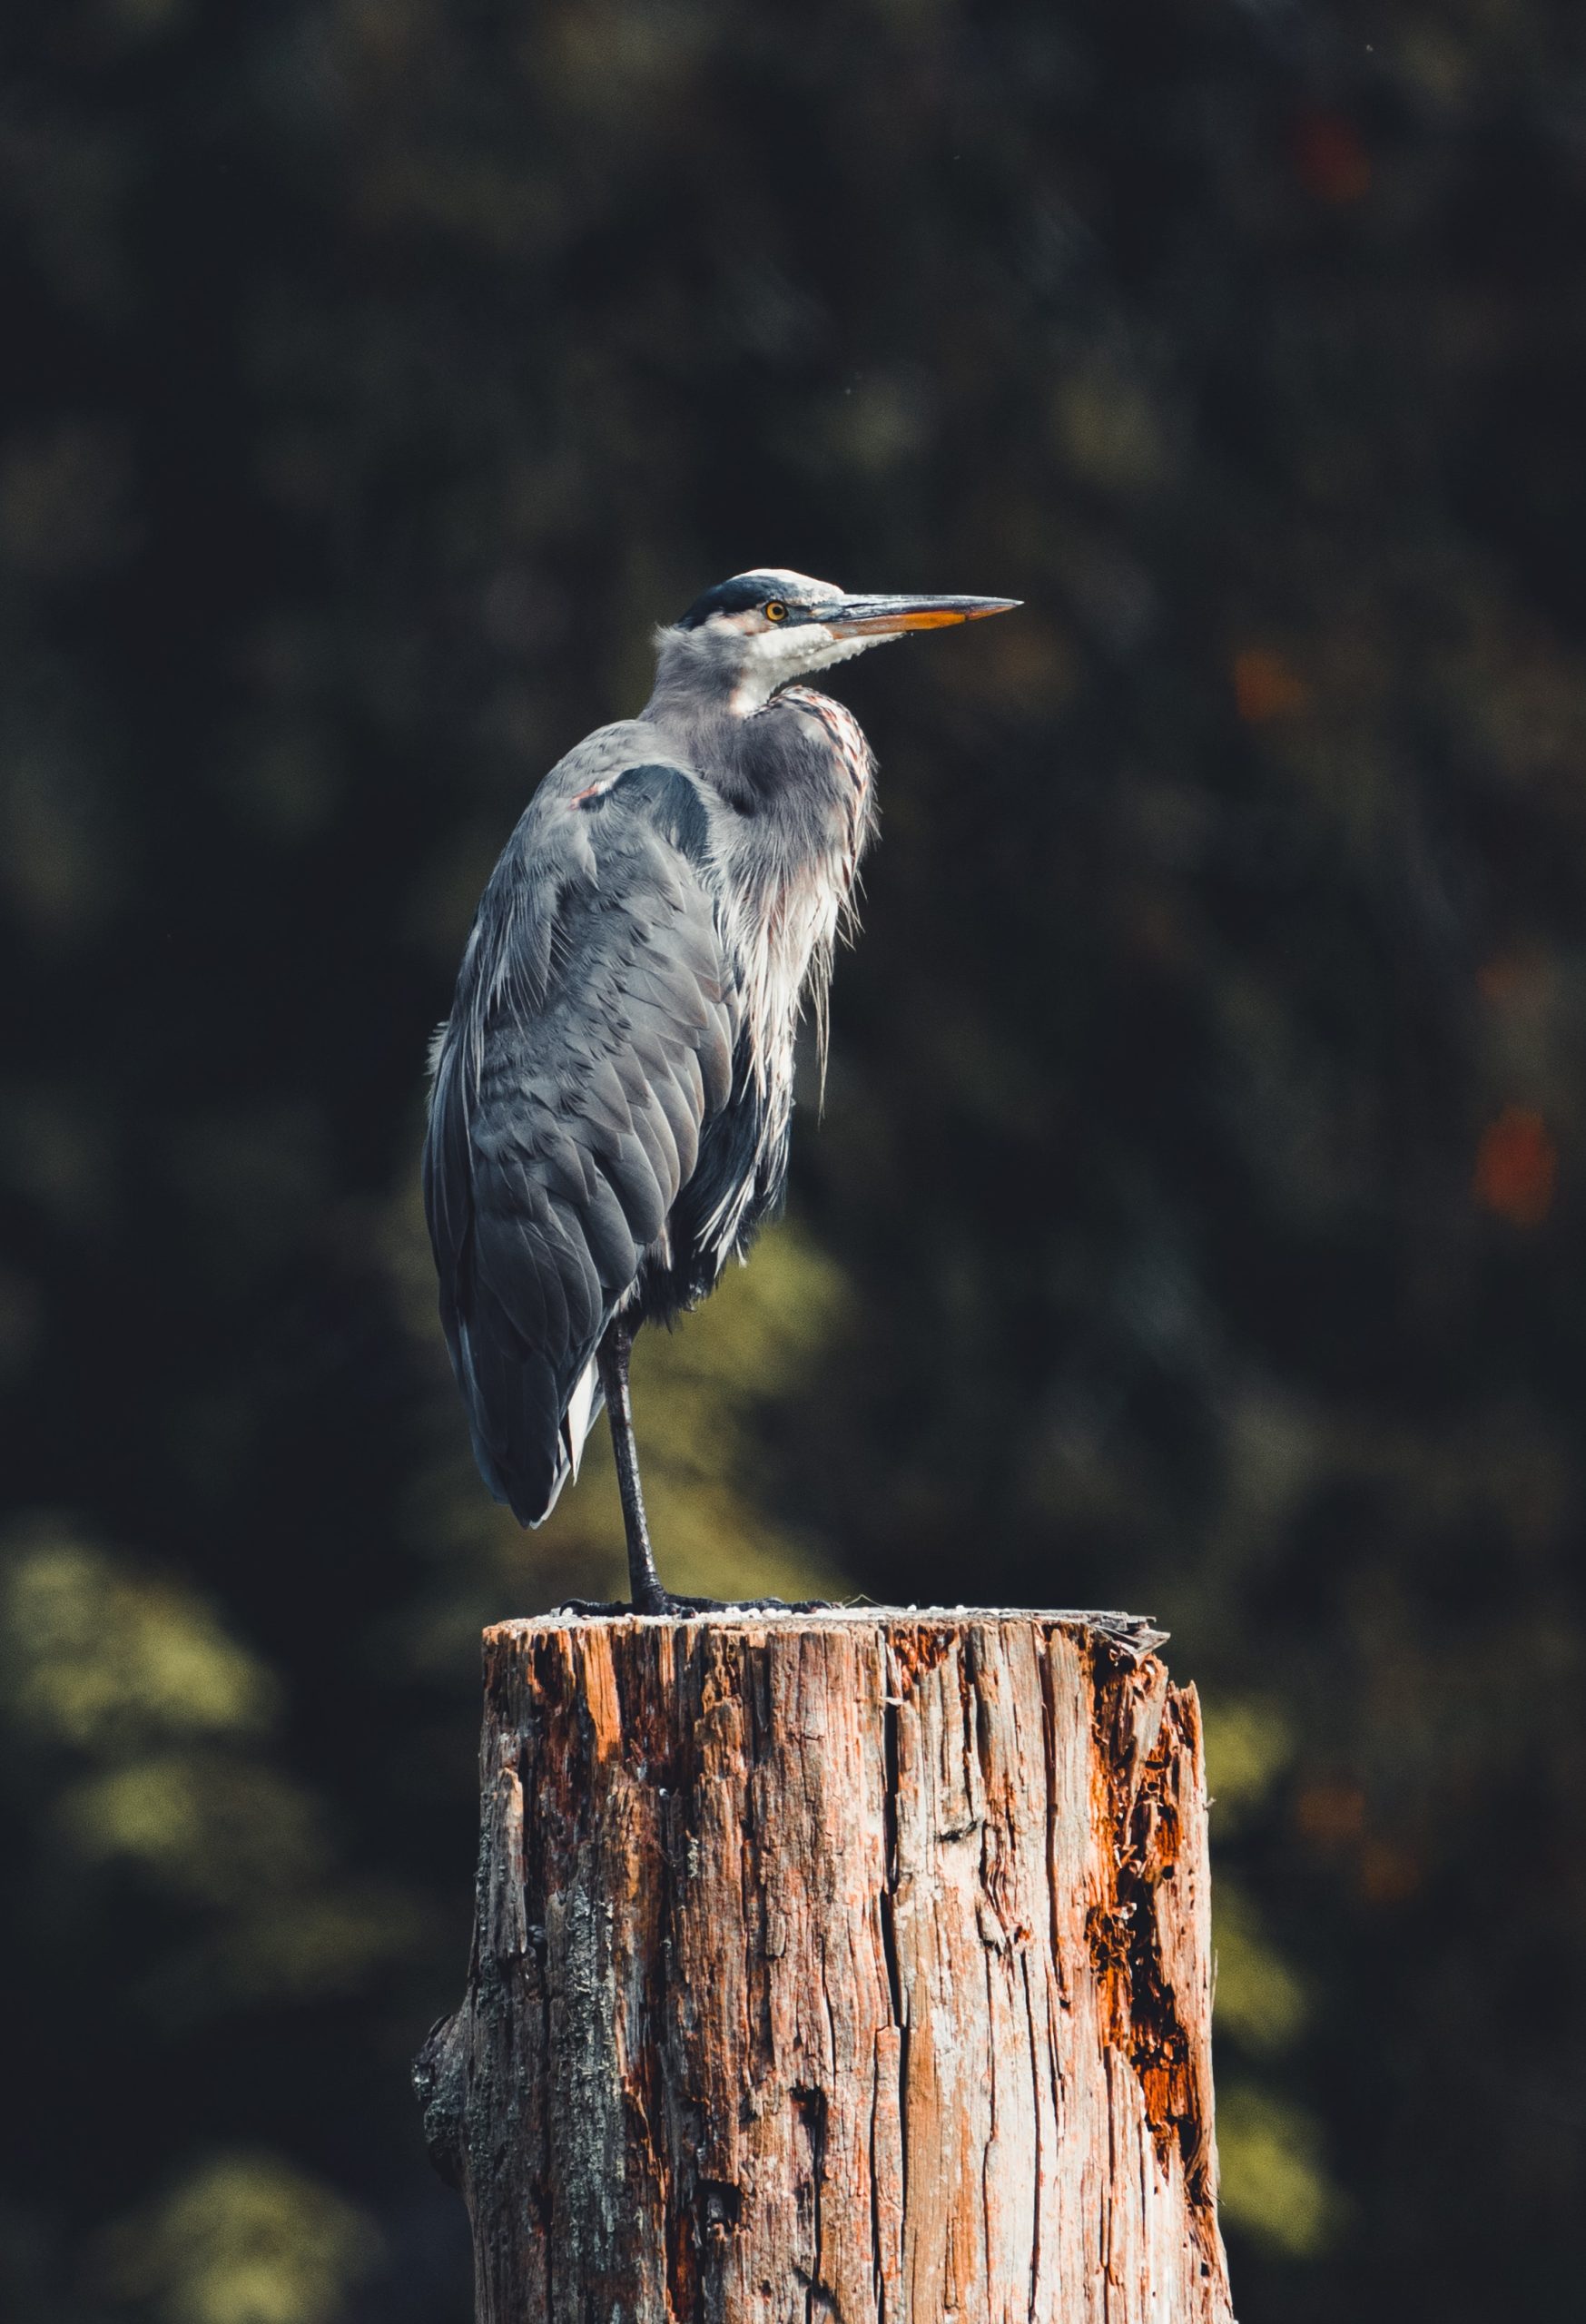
x=590, y=1045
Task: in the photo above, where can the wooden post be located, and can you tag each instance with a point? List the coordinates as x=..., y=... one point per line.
x=852, y=1964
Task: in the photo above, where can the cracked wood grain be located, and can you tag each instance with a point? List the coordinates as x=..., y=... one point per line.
x=848, y=1965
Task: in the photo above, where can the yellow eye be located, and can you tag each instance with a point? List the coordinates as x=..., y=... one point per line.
x=776, y=610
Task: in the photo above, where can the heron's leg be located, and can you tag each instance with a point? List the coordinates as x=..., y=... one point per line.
x=616, y=1349
x=648, y=1595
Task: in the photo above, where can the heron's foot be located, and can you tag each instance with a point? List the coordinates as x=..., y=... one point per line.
x=666, y=1603
x=679, y=1609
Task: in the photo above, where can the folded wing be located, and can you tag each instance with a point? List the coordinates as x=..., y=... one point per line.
x=589, y=1050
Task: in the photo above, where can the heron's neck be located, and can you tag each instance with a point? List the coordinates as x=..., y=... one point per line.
x=770, y=764
x=697, y=724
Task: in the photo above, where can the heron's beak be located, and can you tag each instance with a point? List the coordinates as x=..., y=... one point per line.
x=886, y=617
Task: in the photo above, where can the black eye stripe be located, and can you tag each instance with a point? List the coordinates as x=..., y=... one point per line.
x=747, y=593
x=741, y=596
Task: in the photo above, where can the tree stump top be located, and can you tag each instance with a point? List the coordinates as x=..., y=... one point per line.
x=1132, y=1634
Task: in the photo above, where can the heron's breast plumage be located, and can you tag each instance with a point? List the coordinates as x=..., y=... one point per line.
x=790, y=872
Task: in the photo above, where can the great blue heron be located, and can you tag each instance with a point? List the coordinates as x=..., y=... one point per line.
x=613, y=1089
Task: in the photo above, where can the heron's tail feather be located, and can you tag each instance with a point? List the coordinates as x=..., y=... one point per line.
x=585, y=1406
x=525, y=1448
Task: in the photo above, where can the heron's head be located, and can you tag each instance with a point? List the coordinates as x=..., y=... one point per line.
x=746, y=638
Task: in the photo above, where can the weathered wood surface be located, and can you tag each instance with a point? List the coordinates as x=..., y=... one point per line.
x=851, y=1966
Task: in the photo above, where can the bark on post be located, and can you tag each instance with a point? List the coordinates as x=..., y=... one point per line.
x=853, y=1964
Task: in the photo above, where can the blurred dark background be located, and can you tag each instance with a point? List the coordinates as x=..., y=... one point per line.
x=1196, y=1220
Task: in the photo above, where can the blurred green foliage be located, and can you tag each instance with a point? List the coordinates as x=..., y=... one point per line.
x=94, y=1654
x=140, y=1731
x=1195, y=1221
x=244, y=2239
x=1274, y=2187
